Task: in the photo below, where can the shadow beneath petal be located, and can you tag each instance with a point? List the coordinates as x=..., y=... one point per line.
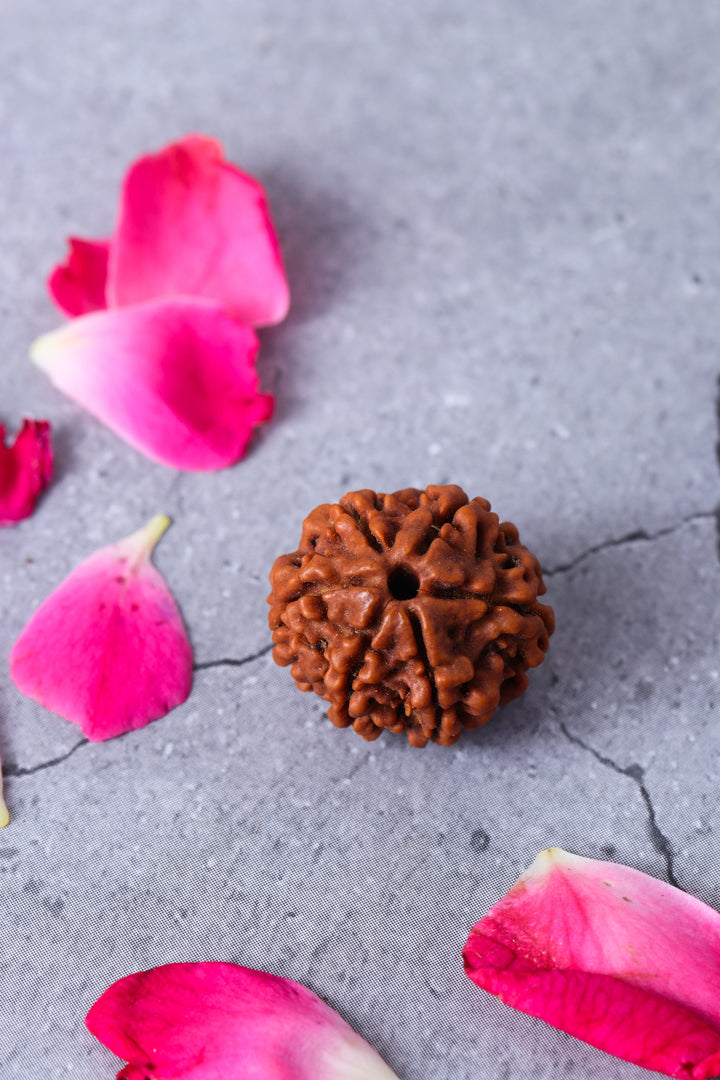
x=324, y=242
x=327, y=248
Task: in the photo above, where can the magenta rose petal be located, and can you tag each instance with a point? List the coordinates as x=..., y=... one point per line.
x=108, y=649
x=192, y=224
x=25, y=470
x=610, y=955
x=77, y=286
x=215, y=1021
x=174, y=378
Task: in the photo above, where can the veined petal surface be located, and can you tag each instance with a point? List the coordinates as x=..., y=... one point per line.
x=174, y=378
x=25, y=470
x=77, y=286
x=610, y=955
x=216, y=1021
x=192, y=224
x=108, y=649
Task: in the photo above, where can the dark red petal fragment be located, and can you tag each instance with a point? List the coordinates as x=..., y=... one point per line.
x=77, y=286
x=25, y=470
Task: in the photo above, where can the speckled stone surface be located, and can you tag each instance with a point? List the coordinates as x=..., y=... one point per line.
x=501, y=230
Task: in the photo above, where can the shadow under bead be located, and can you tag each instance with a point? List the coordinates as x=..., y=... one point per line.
x=417, y=612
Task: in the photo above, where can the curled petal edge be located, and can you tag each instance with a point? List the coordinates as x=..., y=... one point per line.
x=611, y=956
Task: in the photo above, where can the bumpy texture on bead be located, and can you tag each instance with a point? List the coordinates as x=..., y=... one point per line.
x=414, y=612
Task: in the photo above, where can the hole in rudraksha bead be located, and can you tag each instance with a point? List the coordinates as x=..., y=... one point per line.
x=403, y=583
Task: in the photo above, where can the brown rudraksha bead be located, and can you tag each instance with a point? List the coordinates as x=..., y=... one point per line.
x=415, y=612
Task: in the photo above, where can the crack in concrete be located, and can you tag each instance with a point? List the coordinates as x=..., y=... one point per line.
x=436, y=993
x=228, y=661
x=413, y=869
x=12, y=770
x=636, y=773
x=637, y=536
x=354, y=771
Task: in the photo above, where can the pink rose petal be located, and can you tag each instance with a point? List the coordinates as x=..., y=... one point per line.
x=25, y=470
x=175, y=378
x=108, y=649
x=192, y=224
x=219, y=1021
x=78, y=285
x=610, y=955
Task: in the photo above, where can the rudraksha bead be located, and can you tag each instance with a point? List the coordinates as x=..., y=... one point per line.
x=417, y=612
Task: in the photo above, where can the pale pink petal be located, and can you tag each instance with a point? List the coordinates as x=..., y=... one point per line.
x=78, y=285
x=192, y=224
x=108, y=649
x=175, y=378
x=25, y=470
x=219, y=1021
x=610, y=955
x=4, y=815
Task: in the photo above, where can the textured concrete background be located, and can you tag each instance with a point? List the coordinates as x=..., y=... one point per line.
x=501, y=229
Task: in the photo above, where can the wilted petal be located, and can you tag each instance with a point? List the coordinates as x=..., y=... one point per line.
x=219, y=1021
x=175, y=378
x=78, y=285
x=191, y=224
x=108, y=649
x=25, y=470
x=610, y=955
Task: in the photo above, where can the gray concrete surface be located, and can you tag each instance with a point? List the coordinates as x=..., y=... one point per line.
x=501, y=230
